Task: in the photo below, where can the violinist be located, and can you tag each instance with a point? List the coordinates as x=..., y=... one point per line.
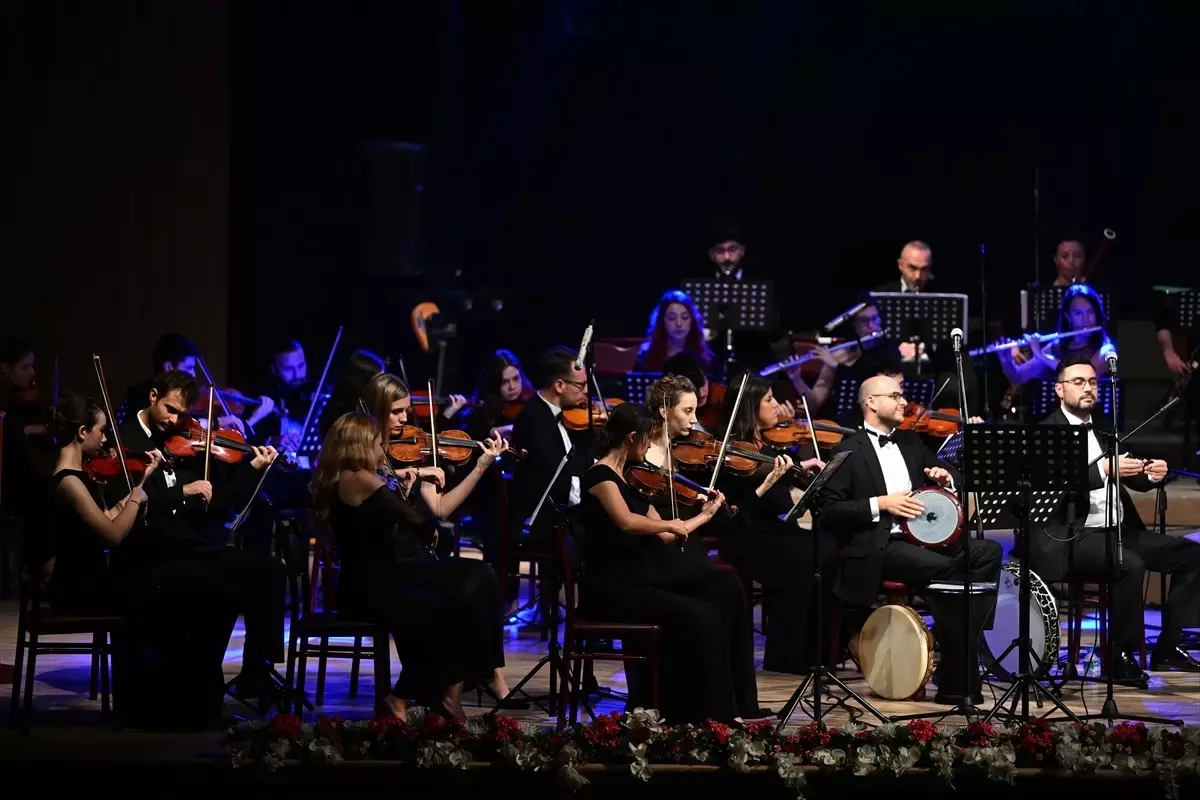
x=675, y=327
x=444, y=614
x=707, y=648
x=498, y=398
x=360, y=368
x=180, y=558
x=689, y=366
x=1081, y=308
x=761, y=546
x=81, y=528
x=172, y=352
x=279, y=421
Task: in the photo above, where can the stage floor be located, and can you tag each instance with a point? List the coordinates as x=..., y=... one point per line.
x=61, y=687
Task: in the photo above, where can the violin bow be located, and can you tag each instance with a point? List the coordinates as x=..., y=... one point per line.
x=670, y=466
x=432, y=424
x=312, y=405
x=737, y=403
x=220, y=397
x=811, y=430
x=112, y=421
x=208, y=434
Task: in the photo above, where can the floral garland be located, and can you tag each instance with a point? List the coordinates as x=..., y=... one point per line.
x=642, y=740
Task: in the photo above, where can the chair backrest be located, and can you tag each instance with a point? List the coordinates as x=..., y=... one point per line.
x=292, y=542
x=563, y=544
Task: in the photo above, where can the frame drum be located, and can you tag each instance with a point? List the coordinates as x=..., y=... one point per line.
x=940, y=524
x=1044, y=636
x=895, y=651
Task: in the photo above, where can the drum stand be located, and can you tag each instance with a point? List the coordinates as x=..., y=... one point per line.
x=819, y=674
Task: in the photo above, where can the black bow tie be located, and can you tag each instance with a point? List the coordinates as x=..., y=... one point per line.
x=884, y=439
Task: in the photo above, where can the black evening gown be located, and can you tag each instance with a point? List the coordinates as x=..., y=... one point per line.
x=780, y=558
x=80, y=579
x=445, y=614
x=707, y=647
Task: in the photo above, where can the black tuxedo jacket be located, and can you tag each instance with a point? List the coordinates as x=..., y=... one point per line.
x=1047, y=543
x=845, y=505
x=538, y=431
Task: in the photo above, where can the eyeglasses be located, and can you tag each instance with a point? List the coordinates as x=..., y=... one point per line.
x=1079, y=383
x=897, y=396
x=576, y=384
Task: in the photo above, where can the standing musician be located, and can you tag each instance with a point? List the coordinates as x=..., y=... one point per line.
x=865, y=501
x=1070, y=549
x=675, y=327
x=180, y=558
x=1081, y=309
x=758, y=544
x=707, y=646
x=444, y=614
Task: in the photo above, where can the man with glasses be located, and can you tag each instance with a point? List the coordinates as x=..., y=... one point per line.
x=868, y=497
x=1076, y=548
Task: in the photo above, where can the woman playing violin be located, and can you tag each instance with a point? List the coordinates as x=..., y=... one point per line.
x=1081, y=308
x=707, y=648
x=444, y=614
x=499, y=395
x=675, y=327
x=762, y=547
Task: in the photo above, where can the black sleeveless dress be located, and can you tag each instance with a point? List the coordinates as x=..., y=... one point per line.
x=80, y=581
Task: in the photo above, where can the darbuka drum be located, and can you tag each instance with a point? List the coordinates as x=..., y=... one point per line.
x=895, y=651
x=1043, y=626
x=940, y=524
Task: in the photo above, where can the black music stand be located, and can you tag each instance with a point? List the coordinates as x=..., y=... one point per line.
x=730, y=306
x=819, y=673
x=1018, y=460
x=1040, y=306
x=310, y=445
x=934, y=314
x=637, y=384
x=951, y=450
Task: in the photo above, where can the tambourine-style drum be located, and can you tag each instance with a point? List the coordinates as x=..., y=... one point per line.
x=895, y=651
x=940, y=524
x=1044, y=636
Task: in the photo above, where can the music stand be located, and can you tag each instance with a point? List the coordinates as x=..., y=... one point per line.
x=1010, y=463
x=637, y=384
x=729, y=306
x=310, y=445
x=819, y=674
x=1042, y=303
x=937, y=313
x=951, y=450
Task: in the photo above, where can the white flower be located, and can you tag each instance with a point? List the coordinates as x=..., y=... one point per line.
x=571, y=777
x=698, y=755
x=864, y=760
x=788, y=767
x=829, y=758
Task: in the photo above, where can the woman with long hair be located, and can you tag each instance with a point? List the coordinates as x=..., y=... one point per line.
x=360, y=368
x=1081, y=308
x=675, y=327
x=81, y=529
x=501, y=385
x=444, y=614
x=707, y=649
x=762, y=547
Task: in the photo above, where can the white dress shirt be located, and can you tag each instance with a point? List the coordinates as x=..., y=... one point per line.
x=895, y=472
x=576, y=486
x=168, y=473
x=1097, y=516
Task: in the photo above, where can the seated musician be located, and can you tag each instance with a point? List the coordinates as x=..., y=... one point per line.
x=707, y=650
x=1065, y=550
x=1070, y=258
x=444, y=614
x=675, y=327
x=502, y=385
x=865, y=501
x=29, y=452
x=916, y=270
x=1081, y=308
x=726, y=253
x=854, y=364
x=82, y=529
x=172, y=352
x=180, y=558
x=361, y=366
x=689, y=366
x=278, y=423
x=758, y=544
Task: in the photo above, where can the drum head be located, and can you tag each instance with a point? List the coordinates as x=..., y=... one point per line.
x=936, y=526
x=1006, y=629
x=895, y=653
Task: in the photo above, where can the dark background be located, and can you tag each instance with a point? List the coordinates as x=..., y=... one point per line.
x=573, y=155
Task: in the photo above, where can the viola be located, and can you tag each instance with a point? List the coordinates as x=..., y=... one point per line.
x=741, y=458
x=795, y=431
x=652, y=481
x=576, y=419
x=227, y=445
x=106, y=466
x=943, y=422
x=413, y=446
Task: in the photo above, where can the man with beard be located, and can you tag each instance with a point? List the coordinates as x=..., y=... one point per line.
x=1077, y=548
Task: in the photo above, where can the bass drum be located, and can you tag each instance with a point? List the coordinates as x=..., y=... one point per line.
x=895, y=651
x=998, y=657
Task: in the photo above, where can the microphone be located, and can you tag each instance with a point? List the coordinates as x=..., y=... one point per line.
x=1111, y=358
x=845, y=315
x=583, y=346
x=957, y=336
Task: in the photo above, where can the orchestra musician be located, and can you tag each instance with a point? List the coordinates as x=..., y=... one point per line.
x=707, y=649
x=864, y=502
x=361, y=366
x=1081, y=308
x=759, y=545
x=915, y=265
x=675, y=327
x=1070, y=257
x=28, y=450
x=854, y=364
x=689, y=366
x=279, y=422
x=726, y=253
x=1077, y=549
x=180, y=558
x=444, y=614
x=501, y=384
x=175, y=352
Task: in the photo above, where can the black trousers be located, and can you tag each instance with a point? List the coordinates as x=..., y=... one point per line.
x=918, y=566
x=1142, y=550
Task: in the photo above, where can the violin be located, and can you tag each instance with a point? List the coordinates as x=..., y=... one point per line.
x=943, y=422
x=700, y=450
x=794, y=431
x=227, y=445
x=107, y=466
x=420, y=407
x=576, y=419
x=412, y=447
x=652, y=481
x=709, y=414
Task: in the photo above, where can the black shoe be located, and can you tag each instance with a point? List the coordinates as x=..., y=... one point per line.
x=1176, y=658
x=1125, y=668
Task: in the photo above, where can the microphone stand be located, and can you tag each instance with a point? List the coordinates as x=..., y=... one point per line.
x=966, y=705
x=987, y=396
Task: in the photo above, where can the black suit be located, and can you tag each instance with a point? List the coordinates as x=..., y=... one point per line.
x=1058, y=555
x=870, y=554
x=538, y=430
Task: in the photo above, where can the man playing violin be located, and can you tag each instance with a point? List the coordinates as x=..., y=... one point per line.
x=866, y=500
x=181, y=555
x=1076, y=548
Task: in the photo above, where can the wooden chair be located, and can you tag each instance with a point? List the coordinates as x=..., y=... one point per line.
x=1082, y=595
x=325, y=624
x=579, y=632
